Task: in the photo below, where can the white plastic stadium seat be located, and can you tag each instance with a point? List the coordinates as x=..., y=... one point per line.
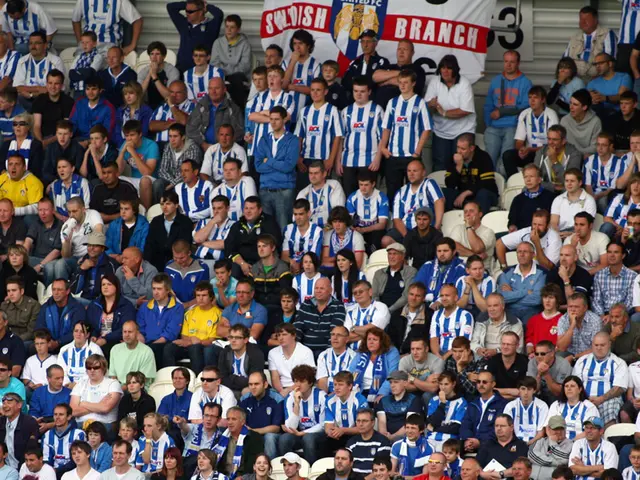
x=159, y=391
x=154, y=211
x=320, y=466
x=620, y=430
x=371, y=270
x=305, y=468
x=516, y=180
x=379, y=257
x=497, y=221
x=277, y=470
x=171, y=57
x=40, y=289
x=67, y=55
x=143, y=61
x=507, y=197
x=500, y=182
x=131, y=59
x=163, y=376
x=46, y=295
x=480, y=141
x=438, y=177
x=450, y=219
x=512, y=259
x=597, y=222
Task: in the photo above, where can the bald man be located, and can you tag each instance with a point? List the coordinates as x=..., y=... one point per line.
x=135, y=276
x=176, y=109
x=470, y=469
x=570, y=276
x=132, y=356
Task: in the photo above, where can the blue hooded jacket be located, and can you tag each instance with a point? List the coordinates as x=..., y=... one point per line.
x=61, y=324
x=138, y=237
x=476, y=425
x=101, y=458
x=155, y=324
x=510, y=97
x=123, y=312
x=85, y=118
x=278, y=171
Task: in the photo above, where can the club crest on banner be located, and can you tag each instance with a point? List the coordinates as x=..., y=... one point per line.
x=350, y=18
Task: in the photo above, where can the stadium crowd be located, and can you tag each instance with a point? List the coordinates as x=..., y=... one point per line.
x=223, y=217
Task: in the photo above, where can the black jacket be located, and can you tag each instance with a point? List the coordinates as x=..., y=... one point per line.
x=523, y=207
x=74, y=152
x=87, y=282
x=28, y=275
x=157, y=250
x=25, y=436
x=253, y=362
x=421, y=249
x=36, y=155
x=137, y=410
x=242, y=241
x=331, y=475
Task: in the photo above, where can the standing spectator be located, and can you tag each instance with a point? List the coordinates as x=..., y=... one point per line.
x=451, y=102
x=20, y=19
x=301, y=237
x=322, y=194
x=606, y=87
x=577, y=327
x=108, y=23
x=232, y=54
x=555, y=158
x=300, y=70
x=364, y=65
x=388, y=78
x=612, y=284
x=549, y=370
x=421, y=240
x=369, y=208
x=582, y=124
x=115, y=76
x=501, y=110
x=534, y=197
x=156, y=77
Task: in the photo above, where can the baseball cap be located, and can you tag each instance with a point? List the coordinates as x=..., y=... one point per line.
x=369, y=33
x=398, y=247
x=595, y=421
x=426, y=210
x=557, y=421
x=292, y=457
x=398, y=375
x=97, y=238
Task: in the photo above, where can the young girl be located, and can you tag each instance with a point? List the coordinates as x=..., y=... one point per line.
x=101, y=455
x=261, y=469
x=72, y=356
x=445, y=412
x=133, y=109
x=149, y=454
x=305, y=281
x=347, y=274
x=544, y=326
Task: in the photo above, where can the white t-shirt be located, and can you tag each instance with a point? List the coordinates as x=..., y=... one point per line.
x=566, y=209
x=225, y=398
x=459, y=234
x=551, y=242
x=589, y=253
x=73, y=475
x=36, y=371
x=634, y=379
x=302, y=355
x=95, y=394
x=636, y=291
x=80, y=233
x=459, y=96
x=46, y=472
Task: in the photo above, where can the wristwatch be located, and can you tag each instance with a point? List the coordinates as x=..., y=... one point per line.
x=502, y=474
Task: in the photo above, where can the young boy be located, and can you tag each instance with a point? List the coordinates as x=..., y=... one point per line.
x=9, y=108
x=35, y=369
x=531, y=131
x=288, y=301
x=258, y=86
x=336, y=95
x=544, y=326
x=197, y=78
x=410, y=455
x=91, y=110
x=633, y=472
x=87, y=64
x=128, y=430
x=369, y=208
x=602, y=170
x=475, y=286
x=451, y=451
x=300, y=70
x=99, y=154
x=528, y=412
x=68, y=185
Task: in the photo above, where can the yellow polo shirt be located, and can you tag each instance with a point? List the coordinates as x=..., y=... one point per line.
x=26, y=191
x=200, y=323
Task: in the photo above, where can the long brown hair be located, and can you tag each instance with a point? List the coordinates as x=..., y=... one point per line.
x=385, y=341
x=635, y=178
x=173, y=452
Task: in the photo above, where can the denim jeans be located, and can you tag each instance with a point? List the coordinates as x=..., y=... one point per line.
x=608, y=229
x=636, y=86
x=199, y=355
x=311, y=444
x=48, y=272
x=602, y=204
x=65, y=267
x=497, y=141
x=278, y=203
x=159, y=187
x=442, y=151
x=271, y=444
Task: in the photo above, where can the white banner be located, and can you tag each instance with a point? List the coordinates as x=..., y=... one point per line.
x=520, y=40
x=436, y=27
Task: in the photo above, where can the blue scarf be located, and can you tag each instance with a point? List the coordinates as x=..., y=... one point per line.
x=379, y=373
x=220, y=448
x=86, y=59
x=532, y=195
x=403, y=456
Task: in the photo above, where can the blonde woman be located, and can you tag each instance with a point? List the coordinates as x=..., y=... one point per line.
x=153, y=442
x=132, y=109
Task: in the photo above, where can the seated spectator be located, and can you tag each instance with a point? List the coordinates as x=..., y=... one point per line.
x=421, y=240
x=46, y=398
x=301, y=237
x=201, y=436
x=197, y=77
x=176, y=404
x=340, y=411
x=531, y=131
x=224, y=285
x=304, y=282
x=612, y=284
x=31, y=84
x=136, y=402
x=543, y=240
x=334, y=359
x=423, y=368
x=43, y=241
x=193, y=192
x=34, y=465
x=235, y=461
x=21, y=187
x=265, y=414
x=157, y=249
x=283, y=359
x=235, y=186
x=623, y=333
x=569, y=276
x=236, y=313
x=23, y=144
x=544, y=326
x=551, y=451
x=505, y=448
x=591, y=246
x=391, y=285
x=365, y=314
x=81, y=456
x=72, y=357
x=185, y=271
x=155, y=430
x=375, y=349
x=305, y=398
x=508, y=366
x=10, y=374
x=369, y=446
x=12, y=346
x=25, y=426
x=339, y=239
x=528, y=412
x=491, y=325
x=475, y=287
x=582, y=124
x=418, y=192
x=634, y=458
x=135, y=276
x=393, y=409
x=602, y=171
x=409, y=455
x=580, y=462
x=604, y=391
x=211, y=390
x=63, y=145
x=68, y=184
x=14, y=229
x=322, y=194
x=131, y=355
x=141, y=155
x=241, y=244
x=573, y=201
x=447, y=267
x=133, y=108
x=346, y=275
x=369, y=208
x=159, y=326
x=534, y=197
x=35, y=369
x=473, y=238
x=130, y=229
x=127, y=431
x=216, y=156
x=94, y=265
x=59, y=315
x=61, y=433
x=478, y=425
x=289, y=300
x=157, y=76
x=445, y=412
x=87, y=63
x=621, y=125
x=500, y=112
x=96, y=397
x=214, y=110
x=92, y=110
x=549, y=370
x=121, y=452
x=17, y=265
x=448, y=322
x=209, y=233
x=115, y=76
x=101, y=454
x=110, y=191
x=605, y=88
x=615, y=218
x=577, y=327
x=462, y=363
x=10, y=109
x=74, y=235
x=49, y=108
x=555, y=158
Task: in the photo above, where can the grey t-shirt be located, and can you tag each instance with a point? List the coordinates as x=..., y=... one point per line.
x=560, y=370
x=421, y=371
x=45, y=239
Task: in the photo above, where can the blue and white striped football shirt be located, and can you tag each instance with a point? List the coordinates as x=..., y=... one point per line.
x=219, y=232
x=214, y=158
x=297, y=244
x=56, y=448
x=60, y=194
x=303, y=74
x=601, y=176
x=35, y=19
x=304, y=286
x=455, y=411
x=487, y=287
x=629, y=22
x=618, y=209
x=237, y=194
x=198, y=85
x=266, y=101
x=344, y=414
x=529, y=420
x=157, y=453
x=368, y=210
x=72, y=360
x=533, y=129
x=600, y=376
x=408, y=201
x=195, y=201
x=9, y=64
x=446, y=329
x=406, y=120
x=164, y=114
x=103, y=17
x=318, y=127
x=362, y=131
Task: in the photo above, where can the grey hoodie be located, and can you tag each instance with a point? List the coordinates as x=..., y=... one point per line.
x=583, y=135
x=572, y=159
x=234, y=58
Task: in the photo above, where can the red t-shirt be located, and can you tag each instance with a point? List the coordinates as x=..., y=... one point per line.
x=540, y=328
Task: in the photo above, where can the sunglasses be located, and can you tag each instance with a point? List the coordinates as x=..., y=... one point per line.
x=97, y=367
x=435, y=462
x=20, y=124
x=542, y=354
x=4, y=369
x=8, y=399
x=191, y=12
x=207, y=380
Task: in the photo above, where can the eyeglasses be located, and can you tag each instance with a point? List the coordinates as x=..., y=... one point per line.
x=434, y=462
x=600, y=63
x=358, y=292
x=20, y=124
x=96, y=367
x=8, y=399
x=207, y=380
x=542, y=354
